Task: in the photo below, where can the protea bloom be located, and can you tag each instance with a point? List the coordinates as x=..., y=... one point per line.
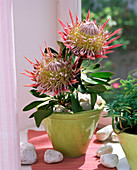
x=87, y=39
x=53, y=74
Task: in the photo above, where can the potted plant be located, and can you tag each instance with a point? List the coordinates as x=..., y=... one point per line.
x=61, y=78
x=123, y=111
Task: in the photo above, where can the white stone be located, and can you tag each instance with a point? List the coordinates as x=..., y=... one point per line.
x=85, y=105
x=104, y=133
x=59, y=108
x=99, y=100
x=114, y=137
x=52, y=156
x=27, y=153
x=104, y=149
x=109, y=160
x=84, y=97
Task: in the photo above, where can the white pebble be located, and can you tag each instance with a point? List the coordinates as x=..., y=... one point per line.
x=104, y=149
x=85, y=105
x=84, y=97
x=104, y=133
x=59, y=108
x=27, y=153
x=52, y=156
x=109, y=160
x=114, y=137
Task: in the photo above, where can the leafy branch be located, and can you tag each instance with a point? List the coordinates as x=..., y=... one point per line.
x=124, y=107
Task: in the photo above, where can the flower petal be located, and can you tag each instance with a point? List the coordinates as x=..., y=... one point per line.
x=103, y=26
x=114, y=46
x=64, y=27
x=115, y=32
x=71, y=17
x=88, y=15
x=101, y=56
x=110, y=41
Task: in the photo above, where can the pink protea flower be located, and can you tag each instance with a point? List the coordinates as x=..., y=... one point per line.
x=53, y=74
x=87, y=39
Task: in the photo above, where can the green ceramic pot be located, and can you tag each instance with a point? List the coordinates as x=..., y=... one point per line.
x=129, y=145
x=71, y=133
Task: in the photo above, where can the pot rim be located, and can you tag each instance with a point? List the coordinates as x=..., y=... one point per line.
x=78, y=115
x=119, y=132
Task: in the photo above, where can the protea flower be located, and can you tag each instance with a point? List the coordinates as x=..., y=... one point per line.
x=88, y=39
x=53, y=74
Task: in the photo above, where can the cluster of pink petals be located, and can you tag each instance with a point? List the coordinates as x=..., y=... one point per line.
x=86, y=39
x=53, y=74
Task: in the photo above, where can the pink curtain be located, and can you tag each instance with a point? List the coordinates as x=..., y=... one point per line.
x=9, y=138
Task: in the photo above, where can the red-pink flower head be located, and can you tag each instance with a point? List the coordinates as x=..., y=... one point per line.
x=53, y=74
x=86, y=39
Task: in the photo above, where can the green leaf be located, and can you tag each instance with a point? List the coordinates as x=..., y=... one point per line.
x=96, y=89
x=73, y=59
x=81, y=88
x=101, y=74
x=114, y=80
x=62, y=45
x=85, y=63
x=87, y=80
x=37, y=94
x=63, y=49
x=39, y=115
x=46, y=106
x=51, y=49
x=96, y=66
x=93, y=99
x=31, y=116
x=32, y=105
x=100, y=81
x=75, y=103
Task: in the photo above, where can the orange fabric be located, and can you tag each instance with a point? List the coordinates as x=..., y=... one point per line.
x=87, y=162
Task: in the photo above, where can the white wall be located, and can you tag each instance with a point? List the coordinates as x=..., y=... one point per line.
x=35, y=21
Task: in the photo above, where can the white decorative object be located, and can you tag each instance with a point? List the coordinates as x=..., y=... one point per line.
x=84, y=97
x=104, y=149
x=59, y=108
x=52, y=156
x=114, y=137
x=109, y=160
x=104, y=133
x=85, y=105
x=28, y=153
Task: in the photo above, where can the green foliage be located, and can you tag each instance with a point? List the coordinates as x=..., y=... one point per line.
x=133, y=73
x=32, y=105
x=91, y=79
x=39, y=115
x=93, y=99
x=37, y=94
x=75, y=102
x=94, y=80
x=121, y=16
x=123, y=109
x=52, y=50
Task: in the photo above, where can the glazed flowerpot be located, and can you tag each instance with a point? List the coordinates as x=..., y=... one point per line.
x=71, y=133
x=129, y=146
